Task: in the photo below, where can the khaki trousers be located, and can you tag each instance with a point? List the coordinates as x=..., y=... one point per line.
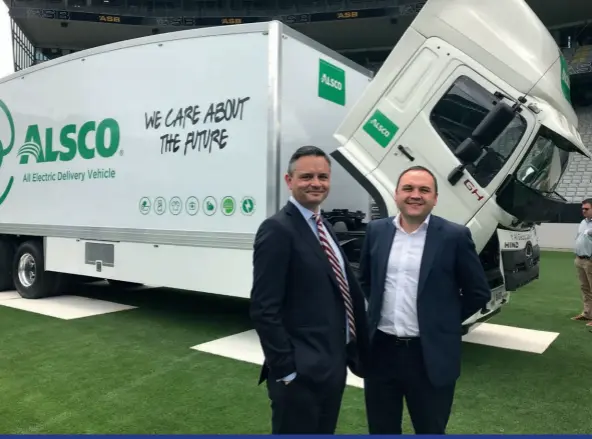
x=584, y=268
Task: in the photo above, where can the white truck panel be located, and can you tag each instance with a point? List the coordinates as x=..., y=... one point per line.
x=508, y=39
x=312, y=110
x=148, y=184
x=212, y=270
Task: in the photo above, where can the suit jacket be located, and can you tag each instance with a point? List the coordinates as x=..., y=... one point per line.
x=296, y=305
x=452, y=287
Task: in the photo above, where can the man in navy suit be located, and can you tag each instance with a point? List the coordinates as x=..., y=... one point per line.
x=306, y=305
x=422, y=278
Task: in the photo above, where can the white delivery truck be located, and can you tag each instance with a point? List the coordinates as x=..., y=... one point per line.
x=154, y=161
x=477, y=91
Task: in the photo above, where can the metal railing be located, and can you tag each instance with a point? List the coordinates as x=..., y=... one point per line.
x=24, y=53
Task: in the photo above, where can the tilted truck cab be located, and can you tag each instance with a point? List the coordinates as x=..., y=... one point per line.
x=478, y=93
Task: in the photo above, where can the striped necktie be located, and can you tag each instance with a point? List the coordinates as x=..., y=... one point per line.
x=343, y=286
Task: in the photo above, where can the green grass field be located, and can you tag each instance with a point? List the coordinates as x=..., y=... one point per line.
x=134, y=371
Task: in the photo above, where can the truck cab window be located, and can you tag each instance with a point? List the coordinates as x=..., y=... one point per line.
x=460, y=111
x=545, y=163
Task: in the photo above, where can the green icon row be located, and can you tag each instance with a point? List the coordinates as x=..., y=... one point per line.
x=210, y=206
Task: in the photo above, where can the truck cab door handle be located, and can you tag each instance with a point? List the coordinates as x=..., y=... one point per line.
x=404, y=151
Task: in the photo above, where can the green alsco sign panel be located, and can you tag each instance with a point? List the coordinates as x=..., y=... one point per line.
x=331, y=82
x=565, y=83
x=381, y=128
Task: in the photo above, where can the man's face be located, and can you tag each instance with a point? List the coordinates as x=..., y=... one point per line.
x=310, y=181
x=587, y=210
x=416, y=195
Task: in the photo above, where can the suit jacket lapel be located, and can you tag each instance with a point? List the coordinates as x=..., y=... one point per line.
x=309, y=237
x=432, y=246
x=385, y=243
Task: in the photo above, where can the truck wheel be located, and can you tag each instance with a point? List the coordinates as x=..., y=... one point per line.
x=6, y=258
x=29, y=275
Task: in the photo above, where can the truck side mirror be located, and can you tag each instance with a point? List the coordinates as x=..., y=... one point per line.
x=468, y=151
x=493, y=124
x=496, y=121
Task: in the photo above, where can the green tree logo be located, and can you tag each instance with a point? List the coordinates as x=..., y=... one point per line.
x=31, y=149
x=5, y=149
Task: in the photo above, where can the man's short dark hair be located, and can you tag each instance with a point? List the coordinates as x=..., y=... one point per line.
x=306, y=151
x=587, y=201
x=419, y=168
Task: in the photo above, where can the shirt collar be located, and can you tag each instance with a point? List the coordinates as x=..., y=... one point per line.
x=424, y=224
x=306, y=213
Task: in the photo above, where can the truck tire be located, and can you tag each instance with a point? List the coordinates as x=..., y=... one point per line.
x=6, y=257
x=29, y=275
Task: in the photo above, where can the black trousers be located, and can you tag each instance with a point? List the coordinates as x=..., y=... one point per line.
x=304, y=407
x=396, y=372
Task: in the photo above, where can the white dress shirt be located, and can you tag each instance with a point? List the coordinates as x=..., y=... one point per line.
x=399, y=306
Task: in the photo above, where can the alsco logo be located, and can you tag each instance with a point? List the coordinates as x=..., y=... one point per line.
x=104, y=135
x=380, y=128
x=565, y=77
x=565, y=81
x=6, y=148
x=92, y=139
x=326, y=79
x=331, y=82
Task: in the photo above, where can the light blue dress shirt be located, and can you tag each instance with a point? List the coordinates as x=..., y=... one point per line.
x=583, y=245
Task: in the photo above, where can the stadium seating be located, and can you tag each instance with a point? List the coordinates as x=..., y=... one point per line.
x=577, y=181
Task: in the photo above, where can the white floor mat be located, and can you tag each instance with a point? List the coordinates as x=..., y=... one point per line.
x=62, y=307
x=245, y=347
x=9, y=295
x=510, y=337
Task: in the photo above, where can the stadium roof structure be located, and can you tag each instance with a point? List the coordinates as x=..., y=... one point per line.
x=339, y=24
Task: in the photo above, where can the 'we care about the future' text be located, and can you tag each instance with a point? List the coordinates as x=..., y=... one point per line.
x=180, y=125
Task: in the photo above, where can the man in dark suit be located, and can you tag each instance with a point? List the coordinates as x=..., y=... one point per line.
x=306, y=305
x=422, y=277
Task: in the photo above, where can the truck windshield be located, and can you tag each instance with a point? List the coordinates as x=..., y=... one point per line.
x=545, y=163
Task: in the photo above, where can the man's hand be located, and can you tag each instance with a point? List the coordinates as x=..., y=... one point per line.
x=288, y=379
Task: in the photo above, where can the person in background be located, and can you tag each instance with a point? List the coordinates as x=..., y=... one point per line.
x=583, y=252
x=423, y=278
x=306, y=305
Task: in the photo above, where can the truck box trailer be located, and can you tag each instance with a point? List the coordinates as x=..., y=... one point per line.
x=154, y=161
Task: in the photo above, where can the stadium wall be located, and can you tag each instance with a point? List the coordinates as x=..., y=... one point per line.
x=558, y=237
